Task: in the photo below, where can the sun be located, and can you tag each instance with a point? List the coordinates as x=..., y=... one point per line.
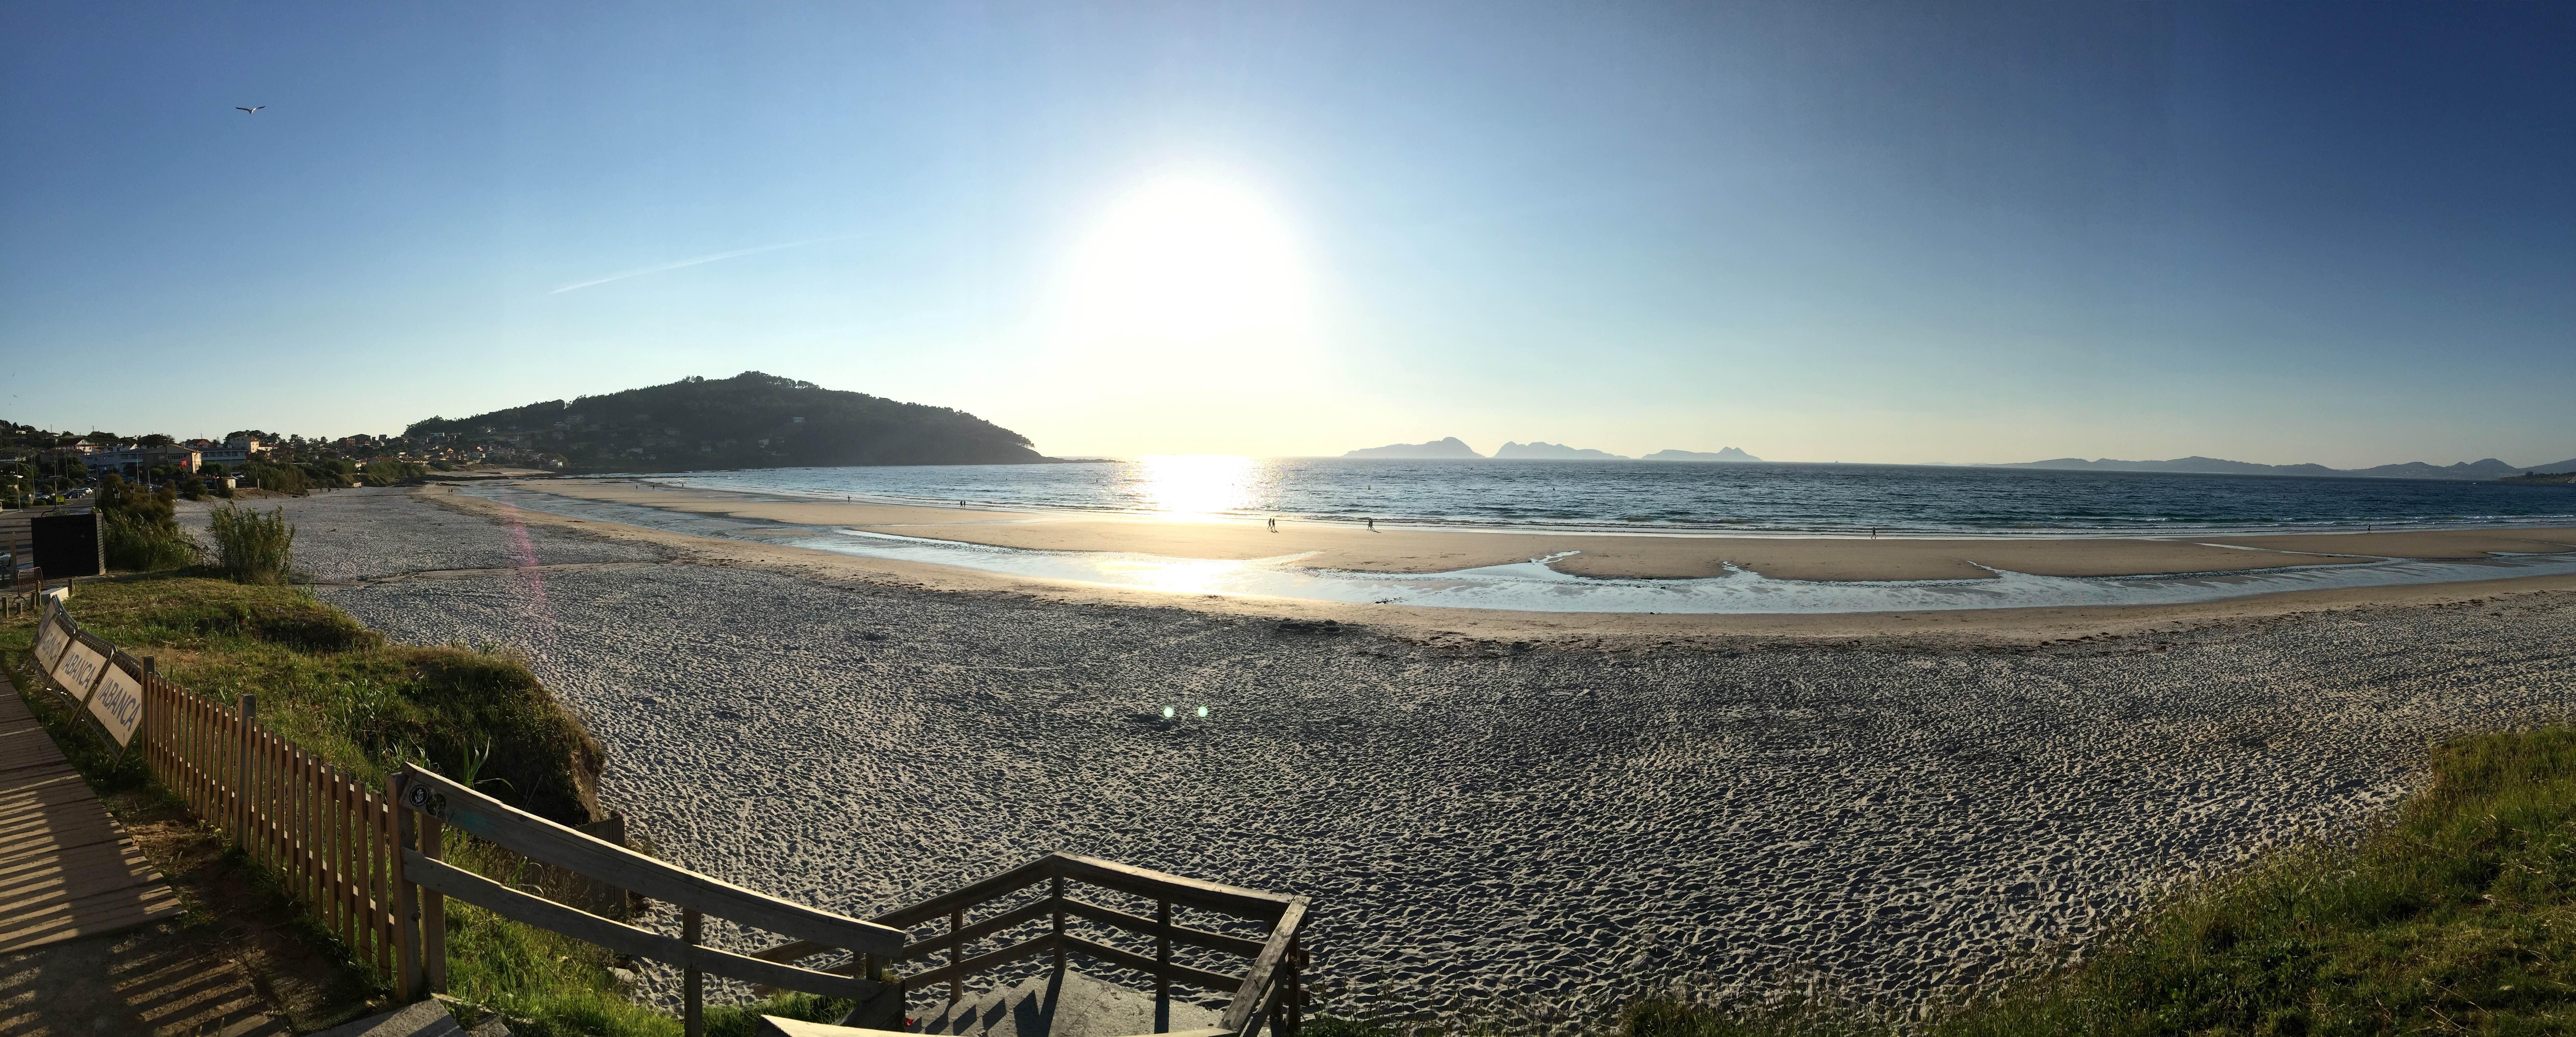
x=1184, y=270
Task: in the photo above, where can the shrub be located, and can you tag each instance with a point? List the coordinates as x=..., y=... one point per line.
x=387, y=471
x=334, y=472
x=139, y=529
x=278, y=478
x=254, y=548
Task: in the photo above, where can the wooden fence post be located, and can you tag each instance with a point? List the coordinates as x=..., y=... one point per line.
x=1058, y=889
x=433, y=908
x=152, y=723
x=1290, y=1016
x=693, y=993
x=408, y=978
x=956, y=953
x=1163, y=965
x=246, y=711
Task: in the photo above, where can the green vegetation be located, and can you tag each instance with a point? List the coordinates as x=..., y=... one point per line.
x=277, y=478
x=751, y=420
x=386, y=471
x=2458, y=916
x=139, y=528
x=328, y=683
x=251, y=547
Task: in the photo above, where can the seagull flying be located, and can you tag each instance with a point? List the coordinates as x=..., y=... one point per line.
x=239, y=108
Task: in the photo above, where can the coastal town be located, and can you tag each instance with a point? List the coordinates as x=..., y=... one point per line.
x=40, y=467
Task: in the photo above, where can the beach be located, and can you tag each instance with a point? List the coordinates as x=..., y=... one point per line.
x=1523, y=812
x=1353, y=547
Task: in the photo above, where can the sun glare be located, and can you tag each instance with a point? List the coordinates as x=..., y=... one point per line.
x=1195, y=484
x=1184, y=265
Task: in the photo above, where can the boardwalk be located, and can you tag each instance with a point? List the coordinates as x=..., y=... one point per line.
x=66, y=869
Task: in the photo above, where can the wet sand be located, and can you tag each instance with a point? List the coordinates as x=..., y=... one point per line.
x=1356, y=549
x=2024, y=626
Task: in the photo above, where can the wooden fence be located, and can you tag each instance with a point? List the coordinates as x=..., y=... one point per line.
x=324, y=834
x=26, y=592
x=328, y=837
x=373, y=870
x=375, y=876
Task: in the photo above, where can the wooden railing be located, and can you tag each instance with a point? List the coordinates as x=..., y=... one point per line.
x=429, y=803
x=26, y=592
x=376, y=875
x=1269, y=990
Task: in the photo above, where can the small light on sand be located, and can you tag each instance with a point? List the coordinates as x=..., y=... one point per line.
x=1202, y=712
x=1167, y=712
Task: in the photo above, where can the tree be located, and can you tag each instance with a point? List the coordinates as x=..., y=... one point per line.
x=140, y=529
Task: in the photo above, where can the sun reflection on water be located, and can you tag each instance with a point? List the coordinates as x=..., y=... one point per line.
x=1196, y=484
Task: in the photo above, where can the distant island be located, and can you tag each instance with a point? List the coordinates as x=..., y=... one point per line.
x=1435, y=450
x=1453, y=447
x=751, y=420
x=1552, y=452
x=1727, y=454
x=2489, y=468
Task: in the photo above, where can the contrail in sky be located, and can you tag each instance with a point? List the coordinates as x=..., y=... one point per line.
x=693, y=262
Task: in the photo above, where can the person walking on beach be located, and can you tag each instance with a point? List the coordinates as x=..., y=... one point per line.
x=1372, y=525
x=1274, y=525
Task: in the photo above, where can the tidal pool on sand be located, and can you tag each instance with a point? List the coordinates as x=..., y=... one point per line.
x=1533, y=586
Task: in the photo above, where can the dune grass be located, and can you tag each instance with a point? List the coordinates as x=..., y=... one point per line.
x=328, y=683
x=251, y=547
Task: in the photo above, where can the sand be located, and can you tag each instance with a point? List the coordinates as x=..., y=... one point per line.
x=1392, y=550
x=1732, y=804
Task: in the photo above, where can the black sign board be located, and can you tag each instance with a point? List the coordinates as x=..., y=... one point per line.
x=68, y=545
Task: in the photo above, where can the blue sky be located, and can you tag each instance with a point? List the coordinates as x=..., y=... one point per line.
x=1863, y=232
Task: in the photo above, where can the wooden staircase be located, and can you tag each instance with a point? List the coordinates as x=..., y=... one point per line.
x=1246, y=943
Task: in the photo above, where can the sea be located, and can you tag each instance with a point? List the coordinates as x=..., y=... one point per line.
x=1671, y=499
x=1758, y=498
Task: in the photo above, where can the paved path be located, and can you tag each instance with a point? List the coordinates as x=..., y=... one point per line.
x=67, y=870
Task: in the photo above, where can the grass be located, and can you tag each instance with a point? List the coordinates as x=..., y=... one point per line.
x=251, y=547
x=328, y=683
x=138, y=529
x=2456, y=916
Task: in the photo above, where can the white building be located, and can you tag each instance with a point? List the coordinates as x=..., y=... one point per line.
x=235, y=453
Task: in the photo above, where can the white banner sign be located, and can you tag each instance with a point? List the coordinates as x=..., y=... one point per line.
x=51, y=636
x=118, y=704
x=78, y=670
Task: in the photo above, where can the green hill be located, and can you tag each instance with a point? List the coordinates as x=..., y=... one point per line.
x=751, y=420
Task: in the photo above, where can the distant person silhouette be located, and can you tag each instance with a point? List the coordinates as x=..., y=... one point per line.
x=1372, y=525
x=1274, y=525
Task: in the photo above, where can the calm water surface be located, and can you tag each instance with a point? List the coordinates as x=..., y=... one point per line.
x=1635, y=496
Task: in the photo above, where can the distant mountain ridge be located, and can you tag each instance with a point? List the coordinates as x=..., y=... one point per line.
x=1453, y=447
x=751, y=420
x=1726, y=454
x=1535, y=451
x=2488, y=468
x=1434, y=450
